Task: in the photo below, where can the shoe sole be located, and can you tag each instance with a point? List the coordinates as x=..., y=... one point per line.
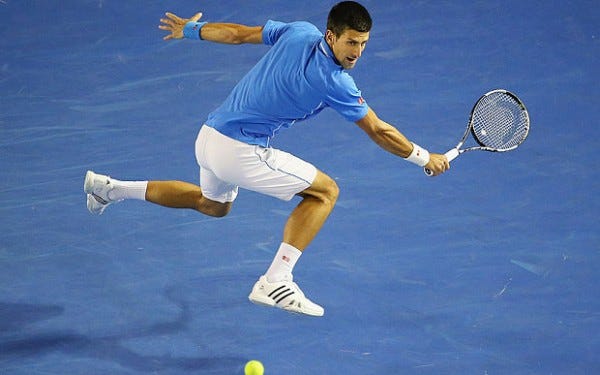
x=261, y=301
x=268, y=302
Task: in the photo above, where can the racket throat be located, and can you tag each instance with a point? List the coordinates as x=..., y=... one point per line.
x=452, y=154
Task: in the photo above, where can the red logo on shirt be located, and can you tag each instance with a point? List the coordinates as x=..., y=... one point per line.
x=285, y=258
x=361, y=100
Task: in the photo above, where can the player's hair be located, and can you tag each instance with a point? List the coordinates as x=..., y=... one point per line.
x=349, y=15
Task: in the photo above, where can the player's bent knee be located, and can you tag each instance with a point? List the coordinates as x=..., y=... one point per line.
x=221, y=211
x=215, y=209
x=333, y=191
x=323, y=188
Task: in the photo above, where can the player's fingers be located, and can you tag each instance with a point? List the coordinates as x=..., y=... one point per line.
x=440, y=168
x=167, y=22
x=174, y=17
x=196, y=17
x=166, y=28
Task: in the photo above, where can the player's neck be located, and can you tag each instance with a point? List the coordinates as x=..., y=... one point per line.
x=330, y=52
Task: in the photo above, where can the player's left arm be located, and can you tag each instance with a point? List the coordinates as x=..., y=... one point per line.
x=232, y=33
x=392, y=140
x=228, y=33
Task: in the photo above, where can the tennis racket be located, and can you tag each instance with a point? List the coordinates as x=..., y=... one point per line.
x=499, y=122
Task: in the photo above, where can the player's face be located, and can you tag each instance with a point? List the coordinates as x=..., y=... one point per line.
x=348, y=47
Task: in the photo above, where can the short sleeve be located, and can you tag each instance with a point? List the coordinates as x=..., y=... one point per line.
x=346, y=98
x=272, y=31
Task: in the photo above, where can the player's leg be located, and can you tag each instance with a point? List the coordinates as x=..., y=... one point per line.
x=303, y=224
x=308, y=217
x=276, y=287
x=282, y=175
x=215, y=198
x=103, y=190
x=179, y=194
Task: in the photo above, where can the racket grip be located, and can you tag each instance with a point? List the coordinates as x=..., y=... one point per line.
x=450, y=155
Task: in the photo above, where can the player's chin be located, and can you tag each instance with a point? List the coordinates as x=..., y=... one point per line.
x=349, y=63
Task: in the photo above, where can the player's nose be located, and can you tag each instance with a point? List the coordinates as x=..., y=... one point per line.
x=359, y=51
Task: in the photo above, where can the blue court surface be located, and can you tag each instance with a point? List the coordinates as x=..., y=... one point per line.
x=492, y=268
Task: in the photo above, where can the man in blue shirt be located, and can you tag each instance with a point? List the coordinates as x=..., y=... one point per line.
x=296, y=80
x=303, y=72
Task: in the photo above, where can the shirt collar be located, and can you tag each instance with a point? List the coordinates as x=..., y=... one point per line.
x=324, y=47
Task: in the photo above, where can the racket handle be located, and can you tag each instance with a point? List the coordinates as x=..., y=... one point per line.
x=450, y=155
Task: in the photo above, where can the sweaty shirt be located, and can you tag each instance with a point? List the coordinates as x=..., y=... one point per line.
x=296, y=79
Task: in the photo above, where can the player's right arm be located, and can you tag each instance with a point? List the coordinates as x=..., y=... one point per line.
x=228, y=33
x=392, y=140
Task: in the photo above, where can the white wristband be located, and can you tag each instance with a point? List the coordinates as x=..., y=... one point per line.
x=418, y=156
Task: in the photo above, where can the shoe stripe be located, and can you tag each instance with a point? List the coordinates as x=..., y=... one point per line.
x=281, y=293
x=276, y=296
x=285, y=296
x=276, y=290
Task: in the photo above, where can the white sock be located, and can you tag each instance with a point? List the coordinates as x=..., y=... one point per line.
x=128, y=190
x=283, y=264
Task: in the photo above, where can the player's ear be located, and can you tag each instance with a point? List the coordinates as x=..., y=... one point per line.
x=329, y=36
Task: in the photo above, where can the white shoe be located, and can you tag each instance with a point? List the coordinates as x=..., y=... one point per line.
x=97, y=187
x=285, y=295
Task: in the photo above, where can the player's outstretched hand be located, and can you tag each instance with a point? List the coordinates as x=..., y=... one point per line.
x=438, y=164
x=174, y=24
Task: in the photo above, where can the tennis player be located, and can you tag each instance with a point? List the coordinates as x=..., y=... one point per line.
x=303, y=73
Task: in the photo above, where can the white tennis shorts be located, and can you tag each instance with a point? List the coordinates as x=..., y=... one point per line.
x=226, y=164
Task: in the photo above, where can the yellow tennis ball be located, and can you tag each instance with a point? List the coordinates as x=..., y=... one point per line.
x=254, y=367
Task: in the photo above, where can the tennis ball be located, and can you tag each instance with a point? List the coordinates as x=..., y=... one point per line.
x=254, y=367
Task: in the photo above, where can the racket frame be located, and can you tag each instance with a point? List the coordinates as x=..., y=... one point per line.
x=457, y=150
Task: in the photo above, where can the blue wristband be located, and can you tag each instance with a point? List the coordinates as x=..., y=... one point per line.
x=191, y=30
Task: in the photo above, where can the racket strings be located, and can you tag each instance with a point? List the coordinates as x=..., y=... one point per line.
x=500, y=122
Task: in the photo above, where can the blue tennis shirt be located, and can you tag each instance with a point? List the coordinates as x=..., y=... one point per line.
x=296, y=79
